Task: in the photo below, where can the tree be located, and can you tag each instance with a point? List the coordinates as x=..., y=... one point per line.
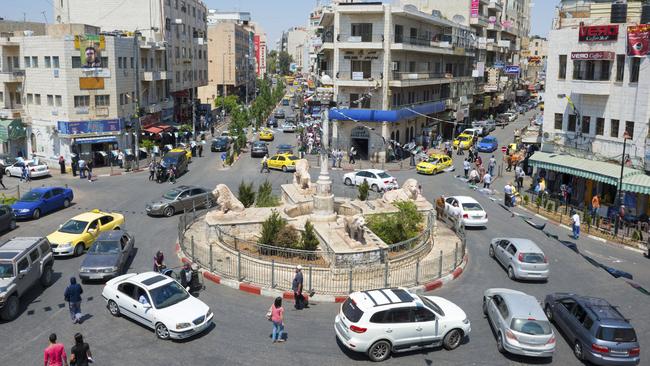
x=246, y=194
x=363, y=190
x=272, y=62
x=309, y=239
x=397, y=227
x=288, y=237
x=231, y=102
x=284, y=61
x=265, y=197
x=271, y=227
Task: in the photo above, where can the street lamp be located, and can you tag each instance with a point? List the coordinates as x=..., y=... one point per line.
x=619, y=192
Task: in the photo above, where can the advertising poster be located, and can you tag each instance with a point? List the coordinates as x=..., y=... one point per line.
x=90, y=50
x=638, y=39
x=474, y=8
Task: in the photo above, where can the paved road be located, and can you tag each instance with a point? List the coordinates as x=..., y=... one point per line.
x=241, y=333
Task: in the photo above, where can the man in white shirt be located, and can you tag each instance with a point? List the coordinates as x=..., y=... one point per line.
x=507, y=191
x=487, y=179
x=466, y=166
x=575, y=218
x=473, y=176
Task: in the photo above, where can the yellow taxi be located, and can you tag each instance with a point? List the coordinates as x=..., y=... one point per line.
x=434, y=164
x=464, y=140
x=187, y=151
x=266, y=134
x=284, y=162
x=80, y=232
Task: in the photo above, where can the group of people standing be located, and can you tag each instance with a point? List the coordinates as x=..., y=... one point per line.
x=161, y=174
x=479, y=173
x=55, y=354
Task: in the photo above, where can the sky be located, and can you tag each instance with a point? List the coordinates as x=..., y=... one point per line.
x=273, y=15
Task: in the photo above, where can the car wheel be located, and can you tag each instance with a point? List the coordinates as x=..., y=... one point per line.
x=500, y=343
x=548, y=312
x=375, y=188
x=452, y=339
x=79, y=249
x=12, y=225
x=434, y=172
x=8, y=173
x=379, y=351
x=161, y=331
x=284, y=168
x=36, y=214
x=168, y=211
x=113, y=308
x=348, y=182
x=47, y=276
x=491, y=251
x=66, y=203
x=116, y=228
x=10, y=310
x=577, y=350
x=511, y=273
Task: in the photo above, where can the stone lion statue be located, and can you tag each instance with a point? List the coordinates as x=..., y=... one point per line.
x=409, y=191
x=354, y=227
x=226, y=200
x=301, y=177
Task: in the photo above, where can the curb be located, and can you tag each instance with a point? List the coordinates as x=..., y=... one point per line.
x=288, y=295
x=122, y=173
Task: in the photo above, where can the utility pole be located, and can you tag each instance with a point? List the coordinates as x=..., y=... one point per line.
x=136, y=148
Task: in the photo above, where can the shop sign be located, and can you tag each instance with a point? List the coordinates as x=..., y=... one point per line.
x=86, y=127
x=512, y=69
x=596, y=55
x=474, y=8
x=598, y=33
x=360, y=133
x=638, y=39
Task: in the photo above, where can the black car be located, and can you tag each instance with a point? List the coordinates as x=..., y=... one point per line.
x=178, y=159
x=7, y=218
x=272, y=123
x=259, y=149
x=285, y=149
x=279, y=114
x=220, y=144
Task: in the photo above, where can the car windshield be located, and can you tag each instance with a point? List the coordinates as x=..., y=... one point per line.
x=169, y=160
x=531, y=326
x=383, y=175
x=616, y=334
x=168, y=295
x=434, y=160
x=171, y=194
x=105, y=247
x=73, y=227
x=259, y=145
x=6, y=270
x=31, y=196
x=463, y=138
x=472, y=206
x=533, y=258
x=432, y=305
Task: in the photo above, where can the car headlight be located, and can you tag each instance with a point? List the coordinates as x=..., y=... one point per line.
x=65, y=245
x=84, y=269
x=183, y=325
x=23, y=210
x=109, y=269
x=466, y=321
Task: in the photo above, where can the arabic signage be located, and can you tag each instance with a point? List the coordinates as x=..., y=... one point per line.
x=596, y=55
x=512, y=69
x=86, y=127
x=598, y=33
x=474, y=8
x=638, y=39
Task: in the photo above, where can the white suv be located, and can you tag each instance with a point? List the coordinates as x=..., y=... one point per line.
x=378, y=322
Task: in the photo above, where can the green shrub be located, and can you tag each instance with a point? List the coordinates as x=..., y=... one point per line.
x=549, y=206
x=538, y=201
x=246, y=194
x=526, y=199
x=363, y=190
x=271, y=227
x=230, y=158
x=636, y=235
x=288, y=237
x=309, y=239
x=265, y=197
x=396, y=227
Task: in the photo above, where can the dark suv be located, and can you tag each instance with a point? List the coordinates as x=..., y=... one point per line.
x=597, y=331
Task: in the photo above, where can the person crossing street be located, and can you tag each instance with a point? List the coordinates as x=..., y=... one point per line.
x=265, y=164
x=297, y=288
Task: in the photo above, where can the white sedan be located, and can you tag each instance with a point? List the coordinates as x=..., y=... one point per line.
x=378, y=180
x=470, y=211
x=288, y=127
x=36, y=169
x=158, y=302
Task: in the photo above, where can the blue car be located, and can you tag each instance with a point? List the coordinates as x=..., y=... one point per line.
x=488, y=144
x=40, y=201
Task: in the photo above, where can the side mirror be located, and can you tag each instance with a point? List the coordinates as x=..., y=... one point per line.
x=91, y=231
x=146, y=306
x=24, y=272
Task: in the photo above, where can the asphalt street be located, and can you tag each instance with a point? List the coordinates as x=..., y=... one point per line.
x=241, y=334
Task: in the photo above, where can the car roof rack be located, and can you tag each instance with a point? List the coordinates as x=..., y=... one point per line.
x=384, y=296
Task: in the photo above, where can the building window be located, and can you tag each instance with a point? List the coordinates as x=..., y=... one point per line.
x=28, y=61
x=76, y=62
x=57, y=101
x=562, y=72
x=629, y=128
x=119, y=62
x=37, y=99
x=102, y=100
x=50, y=100
x=605, y=69
x=17, y=98
x=132, y=62
x=104, y=61
x=600, y=126
x=613, y=132
x=30, y=98
x=572, y=123
x=361, y=66
x=363, y=30
x=358, y=101
x=635, y=65
x=48, y=62
x=55, y=62
x=81, y=101
x=558, y=121
x=620, y=67
x=586, y=124
x=2, y=99
x=34, y=61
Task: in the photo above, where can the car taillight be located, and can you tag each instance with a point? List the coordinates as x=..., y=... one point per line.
x=465, y=216
x=356, y=329
x=545, y=259
x=510, y=335
x=521, y=257
x=551, y=340
x=32, y=170
x=634, y=352
x=599, y=348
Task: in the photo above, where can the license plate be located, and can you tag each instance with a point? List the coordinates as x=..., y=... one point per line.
x=476, y=216
x=95, y=276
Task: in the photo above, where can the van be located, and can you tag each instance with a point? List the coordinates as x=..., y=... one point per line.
x=179, y=159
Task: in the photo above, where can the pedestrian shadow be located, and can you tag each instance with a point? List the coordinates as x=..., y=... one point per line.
x=285, y=335
x=85, y=317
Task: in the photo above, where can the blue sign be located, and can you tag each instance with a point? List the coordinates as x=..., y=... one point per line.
x=84, y=127
x=512, y=69
x=499, y=65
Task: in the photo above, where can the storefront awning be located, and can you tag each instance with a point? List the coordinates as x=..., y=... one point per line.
x=396, y=115
x=11, y=129
x=599, y=171
x=95, y=140
x=157, y=129
x=639, y=183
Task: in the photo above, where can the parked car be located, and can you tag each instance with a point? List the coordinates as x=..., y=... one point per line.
x=434, y=164
x=288, y=127
x=488, y=144
x=279, y=114
x=220, y=144
x=81, y=231
x=40, y=201
x=522, y=258
x=36, y=169
x=284, y=149
x=378, y=180
x=24, y=262
x=508, y=117
x=595, y=329
x=226, y=134
x=178, y=159
x=470, y=211
x=285, y=162
x=259, y=149
x=519, y=323
x=180, y=198
x=7, y=218
x=485, y=126
x=158, y=302
x=108, y=256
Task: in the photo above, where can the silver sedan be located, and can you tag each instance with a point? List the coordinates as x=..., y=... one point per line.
x=522, y=258
x=179, y=199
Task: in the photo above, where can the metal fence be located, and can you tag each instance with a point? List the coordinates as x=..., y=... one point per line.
x=238, y=265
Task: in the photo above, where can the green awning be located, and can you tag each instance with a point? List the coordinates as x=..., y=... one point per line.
x=11, y=129
x=639, y=183
x=599, y=171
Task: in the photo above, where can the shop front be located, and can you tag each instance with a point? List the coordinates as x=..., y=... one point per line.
x=13, y=137
x=95, y=140
x=98, y=149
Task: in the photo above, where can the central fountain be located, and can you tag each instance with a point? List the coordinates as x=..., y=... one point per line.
x=324, y=198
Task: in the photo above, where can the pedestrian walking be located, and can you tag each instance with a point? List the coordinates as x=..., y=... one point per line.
x=62, y=164
x=152, y=170
x=200, y=150
x=54, y=354
x=73, y=296
x=492, y=164
x=471, y=156
x=80, y=353
x=265, y=164
x=487, y=180
x=575, y=219
x=507, y=194
x=520, y=179
x=172, y=174
x=339, y=157
x=333, y=158
x=474, y=178
x=74, y=165
x=120, y=158
x=276, y=316
x=478, y=161
x=212, y=130
x=2, y=174
x=595, y=206
x=352, y=155
x=296, y=286
x=466, y=166
x=82, y=169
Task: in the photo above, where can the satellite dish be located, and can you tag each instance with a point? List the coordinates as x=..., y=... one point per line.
x=458, y=19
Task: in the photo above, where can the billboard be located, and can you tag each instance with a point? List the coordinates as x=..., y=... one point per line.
x=593, y=55
x=256, y=43
x=638, y=39
x=474, y=8
x=598, y=33
x=90, y=48
x=90, y=127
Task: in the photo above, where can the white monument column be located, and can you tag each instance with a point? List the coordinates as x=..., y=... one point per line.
x=324, y=199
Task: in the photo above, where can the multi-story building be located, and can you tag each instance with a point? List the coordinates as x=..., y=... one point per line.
x=69, y=107
x=534, y=59
x=296, y=46
x=398, y=74
x=597, y=102
x=174, y=28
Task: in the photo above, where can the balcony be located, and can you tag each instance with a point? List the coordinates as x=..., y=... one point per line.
x=441, y=45
x=15, y=76
x=154, y=75
x=153, y=108
x=496, y=5
x=494, y=24
x=407, y=79
x=365, y=40
x=481, y=21
x=590, y=87
x=359, y=78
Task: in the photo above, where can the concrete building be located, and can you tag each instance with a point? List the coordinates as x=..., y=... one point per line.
x=296, y=46
x=12, y=28
x=397, y=74
x=597, y=94
x=67, y=107
x=534, y=54
x=176, y=28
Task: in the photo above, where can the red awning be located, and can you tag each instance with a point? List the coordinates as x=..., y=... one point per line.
x=157, y=129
